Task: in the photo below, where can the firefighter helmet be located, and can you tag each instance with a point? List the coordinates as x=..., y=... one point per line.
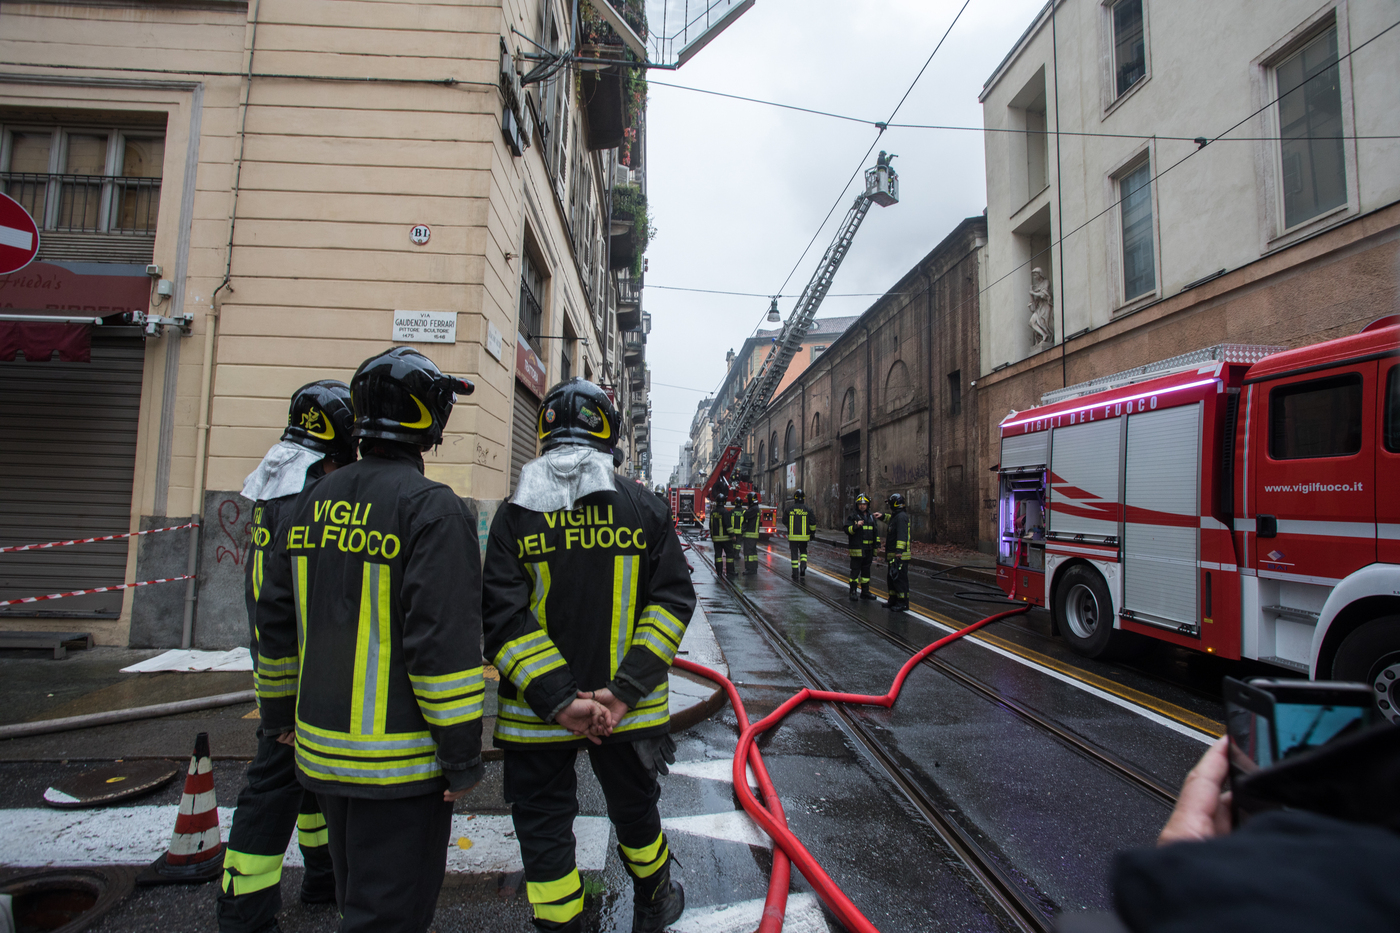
x=862, y=499
x=321, y=419
x=896, y=501
x=577, y=412
x=799, y=496
x=401, y=395
x=752, y=498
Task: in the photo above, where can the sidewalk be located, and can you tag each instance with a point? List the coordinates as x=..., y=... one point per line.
x=34, y=687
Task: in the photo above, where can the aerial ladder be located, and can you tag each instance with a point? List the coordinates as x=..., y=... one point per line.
x=882, y=188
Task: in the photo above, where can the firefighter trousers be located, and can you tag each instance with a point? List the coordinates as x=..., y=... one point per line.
x=798, y=552
x=542, y=789
x=898, y=580
x=724, y=557
x=390, y=857
x=860, y=571
x=271, y=804
x=751, y=555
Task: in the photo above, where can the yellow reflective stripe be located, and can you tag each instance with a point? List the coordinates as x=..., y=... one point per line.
x=452, y=712
x=382, y=773
x=247, y=873
x=664, y=621
x=523, y=659
x=311, y=839
x=369, y=699
x=556, y=901
x=656, y=644
x=539, y=593
x=299, y=592
x=388, y=745
x=561, y=913
x=624, y=596
x=441, y=686
x=257, y=574
x=311, y=821
x=647, y=853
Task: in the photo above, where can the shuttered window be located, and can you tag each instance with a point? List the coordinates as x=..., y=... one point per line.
x=523, y=434
x=69, y=434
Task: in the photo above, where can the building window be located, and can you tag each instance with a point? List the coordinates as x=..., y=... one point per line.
x=760, y=452
x=955, y=392
x=85, y=180
x=848, y=406
x=1135, y=198
x=1313, y=171
x=773, y=447
x=1129, y=45
x=789, y=441
x=817, y=425
x=1320, y=418
x=531, y=310
x=817, y=351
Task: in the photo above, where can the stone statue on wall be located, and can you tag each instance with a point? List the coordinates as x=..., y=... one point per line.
x=1040, y=306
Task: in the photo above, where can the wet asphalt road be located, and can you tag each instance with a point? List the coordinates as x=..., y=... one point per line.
x=1051, y=817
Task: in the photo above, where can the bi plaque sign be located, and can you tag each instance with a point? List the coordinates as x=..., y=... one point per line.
x=19, y=236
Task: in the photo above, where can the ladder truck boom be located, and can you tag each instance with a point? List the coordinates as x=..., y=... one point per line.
x=881, y=187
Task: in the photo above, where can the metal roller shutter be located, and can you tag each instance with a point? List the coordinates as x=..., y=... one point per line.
x=1084, y=479
x=69, y=434
x=523, y=437
x=1162, y=495
x=1025, y=450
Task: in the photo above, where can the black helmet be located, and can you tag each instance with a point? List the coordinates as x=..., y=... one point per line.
x=401, y=395
x=896, y=501
x=320, y=417
x=799, y=496
x=577, y=412
x=862, y=499
x=753, y=498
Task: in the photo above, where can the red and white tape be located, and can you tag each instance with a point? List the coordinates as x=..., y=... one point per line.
x=129, y=534
x=96, y=589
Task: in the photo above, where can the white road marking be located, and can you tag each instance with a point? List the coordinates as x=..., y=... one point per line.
x=137, y=835
x=19, y=239
x=804, y=915
x=711, y=769
x=733, y=826
x=1202, y=737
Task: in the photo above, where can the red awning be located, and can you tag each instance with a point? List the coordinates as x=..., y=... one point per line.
x=39, y=341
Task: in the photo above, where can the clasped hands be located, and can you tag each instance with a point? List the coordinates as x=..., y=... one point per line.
x=593, y=714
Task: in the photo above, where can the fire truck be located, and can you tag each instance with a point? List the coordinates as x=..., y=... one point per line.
x=1236, y=501
x=683, y=505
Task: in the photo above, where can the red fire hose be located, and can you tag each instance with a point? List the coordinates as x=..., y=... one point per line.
x=774, y=823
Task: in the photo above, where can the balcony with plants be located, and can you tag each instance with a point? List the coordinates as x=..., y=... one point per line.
x=612, y=95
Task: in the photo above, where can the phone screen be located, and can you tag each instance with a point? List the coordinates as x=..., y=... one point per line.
x=1249, y=714
x=1312, y=715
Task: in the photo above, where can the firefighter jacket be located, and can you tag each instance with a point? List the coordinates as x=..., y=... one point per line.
x=736, y=522
x=370, y=620
x=750, y=522
x=580, y=600
x=862, y=536
x=897, y=540
x=799, y=524
x=719, y=523
x=268, y=515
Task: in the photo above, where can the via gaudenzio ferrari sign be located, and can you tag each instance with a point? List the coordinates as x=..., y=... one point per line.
x=19, y=236
x=425, y=326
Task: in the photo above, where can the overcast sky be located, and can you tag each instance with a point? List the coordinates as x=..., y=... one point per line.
x=736, y=190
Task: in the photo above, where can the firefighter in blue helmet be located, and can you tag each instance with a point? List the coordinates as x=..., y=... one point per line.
x=898, y=554
x=370, y=619
x=272, y=802
x=862, y=536
x=587, y=596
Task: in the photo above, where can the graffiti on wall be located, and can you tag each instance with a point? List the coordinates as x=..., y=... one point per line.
x=239, y=540
x=903, y=475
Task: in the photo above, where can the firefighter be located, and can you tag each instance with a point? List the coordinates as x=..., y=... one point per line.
x=749, y=525
x=369, y=659
x=586, y=599
x=799, y=531
x=861, y=541
x=272, y=802
x=719, y=534
x=736, y=530
x=898, y=554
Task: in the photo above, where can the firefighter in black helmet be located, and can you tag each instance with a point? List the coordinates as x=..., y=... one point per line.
x=861, y=539
x=720, y=518
x=799, y=531
x=370, y=617
x=272, y=802
x=898, y=554
x=749, y=526
x=586, y=599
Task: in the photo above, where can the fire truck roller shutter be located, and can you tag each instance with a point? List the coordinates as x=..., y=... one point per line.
x=1084, y=478
x=1162, y=517
x=1024, y=451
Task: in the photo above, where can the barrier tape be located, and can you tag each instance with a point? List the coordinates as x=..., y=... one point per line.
x=129, y=534
x=96, y=589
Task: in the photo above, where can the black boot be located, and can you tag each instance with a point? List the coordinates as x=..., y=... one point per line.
x=854, y=596
x=657, y=902
x=866, y=594
x=794, y=573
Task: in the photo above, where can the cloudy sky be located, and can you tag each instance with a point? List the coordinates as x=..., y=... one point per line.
x=736, y=190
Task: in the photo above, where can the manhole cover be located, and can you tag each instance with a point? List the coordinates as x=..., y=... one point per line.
x=109, y=784
x=64, y=900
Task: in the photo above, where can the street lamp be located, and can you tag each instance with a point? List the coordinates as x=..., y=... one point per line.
x=773, y=314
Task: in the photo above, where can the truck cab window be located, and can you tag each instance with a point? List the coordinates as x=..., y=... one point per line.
x=1392, y=410
x=1320, y=418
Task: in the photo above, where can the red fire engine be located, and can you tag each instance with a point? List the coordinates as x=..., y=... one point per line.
x=1237, y=501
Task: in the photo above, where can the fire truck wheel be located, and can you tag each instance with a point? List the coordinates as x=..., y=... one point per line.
x=1084, y=611
x=1371, y=655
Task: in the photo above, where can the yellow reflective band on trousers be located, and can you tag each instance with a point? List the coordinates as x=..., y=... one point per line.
x=624, y=597
x=659, y=632
x=311, y=830
x=369, y=698
x=649, y=859
x=449, y=699
x=556, y=901
x=246, y=873
x=522, y=659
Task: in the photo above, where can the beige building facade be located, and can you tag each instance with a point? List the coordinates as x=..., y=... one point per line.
x=268, y=187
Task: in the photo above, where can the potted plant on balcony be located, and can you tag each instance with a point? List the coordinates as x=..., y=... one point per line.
x=629, y=208
x=604, y=89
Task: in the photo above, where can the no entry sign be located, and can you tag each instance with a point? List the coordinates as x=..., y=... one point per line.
x=19, y=236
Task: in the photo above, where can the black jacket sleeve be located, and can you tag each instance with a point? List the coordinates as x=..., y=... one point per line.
x=670, y=604
x=277, y=663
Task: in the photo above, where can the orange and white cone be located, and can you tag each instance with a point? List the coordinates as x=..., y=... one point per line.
x=196, y=853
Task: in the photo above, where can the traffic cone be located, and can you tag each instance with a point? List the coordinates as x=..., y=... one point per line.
x=196, y=853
